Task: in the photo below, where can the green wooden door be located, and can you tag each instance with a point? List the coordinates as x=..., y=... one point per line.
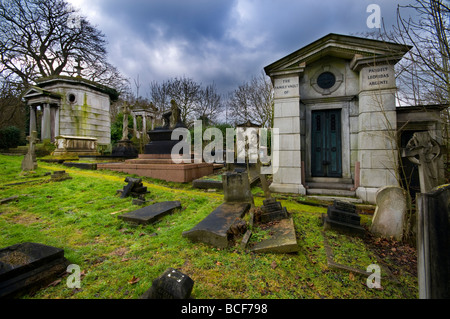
x=326, y=152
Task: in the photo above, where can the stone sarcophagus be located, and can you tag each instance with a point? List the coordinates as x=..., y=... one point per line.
x=75, y=145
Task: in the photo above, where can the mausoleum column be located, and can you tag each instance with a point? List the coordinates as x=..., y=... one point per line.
x=46, y=122
x=288, y=177
x=57, y=121
x=377, y=149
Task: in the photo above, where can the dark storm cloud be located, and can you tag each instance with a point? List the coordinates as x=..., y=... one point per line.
x=225, y=41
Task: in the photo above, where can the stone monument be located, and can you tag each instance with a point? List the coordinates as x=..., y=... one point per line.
x=425, y=152
x=125, y=147
x=157, y=162
x=29, y=162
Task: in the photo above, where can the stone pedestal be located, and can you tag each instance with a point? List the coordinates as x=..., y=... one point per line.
x=125, y=148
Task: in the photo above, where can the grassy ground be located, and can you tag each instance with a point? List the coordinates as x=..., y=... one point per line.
x=119, y=260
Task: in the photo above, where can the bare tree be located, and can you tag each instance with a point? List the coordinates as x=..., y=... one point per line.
x=209, y=104
x=186, y=93
x=41, y=38
x=253, y=101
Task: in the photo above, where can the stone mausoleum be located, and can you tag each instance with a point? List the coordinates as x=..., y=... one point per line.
x=335, y=108
x=71, y=110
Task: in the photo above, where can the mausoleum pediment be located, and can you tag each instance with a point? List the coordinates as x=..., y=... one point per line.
x=357, y=50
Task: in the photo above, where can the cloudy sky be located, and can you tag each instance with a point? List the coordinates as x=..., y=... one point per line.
x=221, y=41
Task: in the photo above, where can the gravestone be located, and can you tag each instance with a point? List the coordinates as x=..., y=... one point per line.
x=425, y=152
x=390, y=212
x=342, y=216
x=433, y=243
x=172, y=284
x=215, y=229
x=29, y=162
x=134, y=188
x=236, y=187
x=150, y=214
x=282, y=239
x=272, y=210
x=59, y=176
x=26, y=267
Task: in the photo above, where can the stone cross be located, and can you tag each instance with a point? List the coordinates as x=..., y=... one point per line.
x=425, y=152
x=29, y=162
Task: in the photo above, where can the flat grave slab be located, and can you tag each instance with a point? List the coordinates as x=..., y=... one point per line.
x=214, y=229
x=282, y=240
x=150, y=214
x=27, y=267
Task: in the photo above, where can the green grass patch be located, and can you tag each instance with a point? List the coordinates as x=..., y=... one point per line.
x=120, y=260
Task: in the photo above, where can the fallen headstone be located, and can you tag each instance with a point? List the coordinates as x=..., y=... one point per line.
x=27, y=267
x=59, y=176
x=282, y=239
x=150, y=214
x=390, y=212
x=342, y=216
x=172, y=284
x=214, y=229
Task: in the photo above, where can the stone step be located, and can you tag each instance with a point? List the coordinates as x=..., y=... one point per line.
x=333, y=192
x=317, y=185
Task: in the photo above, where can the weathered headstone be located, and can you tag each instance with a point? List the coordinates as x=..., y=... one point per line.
x=425, y=152
x=433, y=243
x=214, y=229
x=150, y=214
x=172, y=284
x=236, y=187
x=29, y=162
x=390, y=212
x=26, y=267
x=342, y=216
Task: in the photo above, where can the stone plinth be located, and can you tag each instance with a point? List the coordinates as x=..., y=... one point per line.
x=27, y=267
x=160, y=166
x=75, y=145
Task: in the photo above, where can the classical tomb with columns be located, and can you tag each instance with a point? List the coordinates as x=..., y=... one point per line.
x=75, y=113
x=335, y=108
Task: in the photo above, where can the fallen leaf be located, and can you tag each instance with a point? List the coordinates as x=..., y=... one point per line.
x=274, y=265
x=133, y=280
x=351, y=276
